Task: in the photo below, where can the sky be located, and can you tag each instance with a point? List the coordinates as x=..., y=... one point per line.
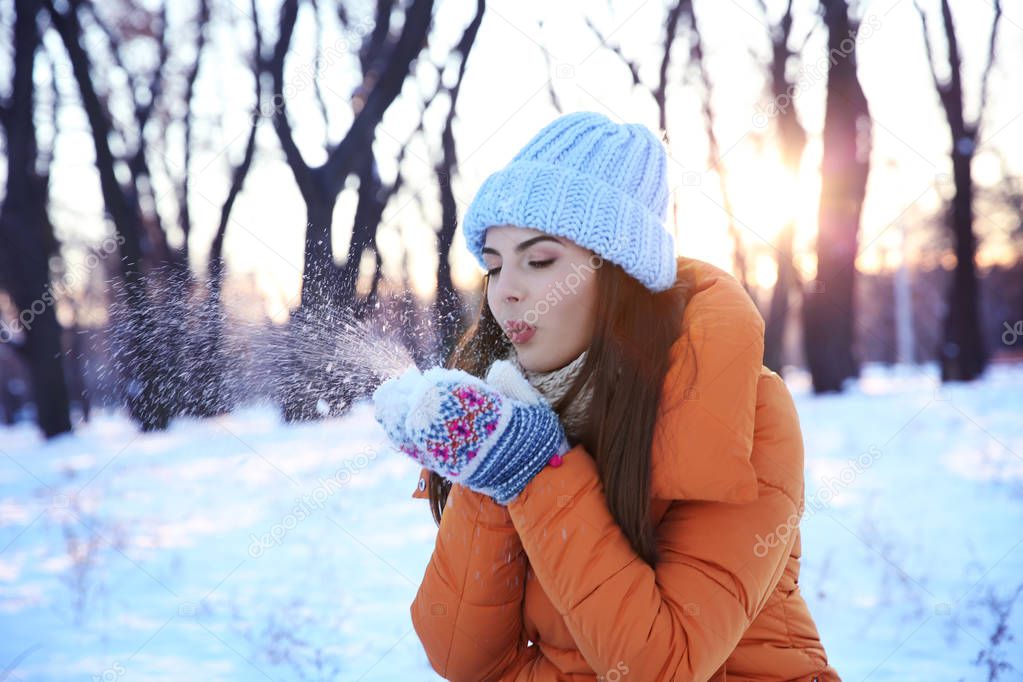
x=505, y=101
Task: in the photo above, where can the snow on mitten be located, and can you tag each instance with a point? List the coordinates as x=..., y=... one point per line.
x=504, y=376
x=391, y=404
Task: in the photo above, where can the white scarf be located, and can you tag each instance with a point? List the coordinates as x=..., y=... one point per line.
x=554, y=384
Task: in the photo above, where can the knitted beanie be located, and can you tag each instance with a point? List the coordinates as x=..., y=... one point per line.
x=601, y=184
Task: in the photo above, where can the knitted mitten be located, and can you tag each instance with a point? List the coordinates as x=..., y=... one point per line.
x=491, y=436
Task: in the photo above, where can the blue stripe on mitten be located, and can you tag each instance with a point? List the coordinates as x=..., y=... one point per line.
x=532, y=436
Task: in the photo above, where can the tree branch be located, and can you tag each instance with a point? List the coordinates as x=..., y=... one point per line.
x=301, y=171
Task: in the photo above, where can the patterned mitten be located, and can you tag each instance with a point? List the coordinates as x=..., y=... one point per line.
x=492, y=436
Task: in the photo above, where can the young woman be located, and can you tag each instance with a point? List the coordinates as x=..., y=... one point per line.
x=617, y=478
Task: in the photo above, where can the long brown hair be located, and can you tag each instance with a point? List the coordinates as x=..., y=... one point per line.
x=628, y=357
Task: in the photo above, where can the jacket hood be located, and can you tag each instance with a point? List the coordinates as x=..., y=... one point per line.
x=704, y=434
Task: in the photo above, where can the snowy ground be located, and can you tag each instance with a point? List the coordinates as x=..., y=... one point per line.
x=239, y=548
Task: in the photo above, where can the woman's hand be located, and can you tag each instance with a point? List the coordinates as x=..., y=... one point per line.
x=492, y=436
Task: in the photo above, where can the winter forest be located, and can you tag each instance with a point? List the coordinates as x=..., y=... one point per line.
x=224, y=222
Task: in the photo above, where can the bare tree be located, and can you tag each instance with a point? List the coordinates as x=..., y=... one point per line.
x=679, y=16
x=791, y=139
x=716, y=156
x=658, y=91
x=447, y=306
x=27, y=240
x=145, y=400
x=166, y=372
x=192, y=74
x=386, y=63
x=214, y=398
x=829, y=309
x=144, y=91
x=962, y=354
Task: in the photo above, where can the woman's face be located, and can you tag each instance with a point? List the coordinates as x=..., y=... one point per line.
x=542, y=291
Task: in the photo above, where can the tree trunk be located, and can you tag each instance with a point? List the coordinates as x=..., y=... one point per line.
x=301, y=381
x=368, y=212
x=774, y=328
x=320, y=277
x=828, y=306
x=446, y=310
x=963, y=354
x=27, y=240
x=791, y=144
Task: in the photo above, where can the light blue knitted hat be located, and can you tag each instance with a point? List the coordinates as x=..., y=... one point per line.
x=586, y=178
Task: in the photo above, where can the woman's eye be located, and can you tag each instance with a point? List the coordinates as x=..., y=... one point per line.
x=538, y=264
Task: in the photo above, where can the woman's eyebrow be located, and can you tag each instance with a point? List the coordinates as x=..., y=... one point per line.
x=526, y=244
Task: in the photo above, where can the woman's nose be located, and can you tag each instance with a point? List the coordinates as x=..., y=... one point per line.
x=510, y=287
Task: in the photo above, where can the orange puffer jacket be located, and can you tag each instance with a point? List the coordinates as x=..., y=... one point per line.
x=549, y=588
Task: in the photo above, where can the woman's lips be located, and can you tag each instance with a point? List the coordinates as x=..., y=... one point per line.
x=519, y=332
